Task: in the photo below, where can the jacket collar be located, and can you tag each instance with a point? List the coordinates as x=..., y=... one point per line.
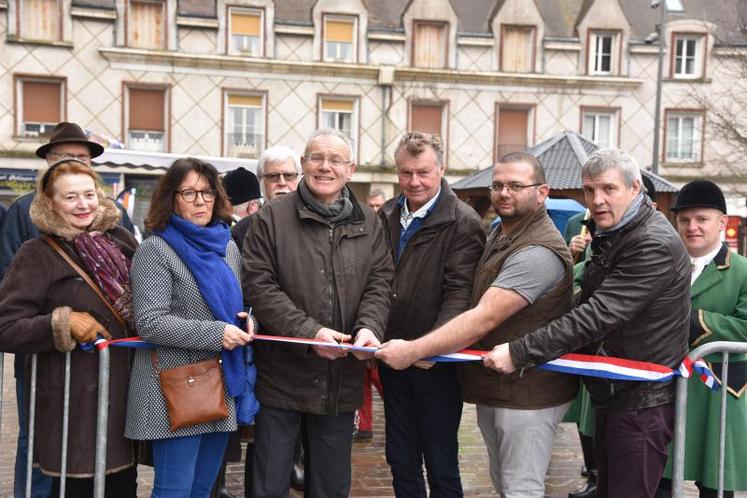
x=645, y=210
x=357, y=216
x=712, y=272
x=443, y=212
x=49, y=222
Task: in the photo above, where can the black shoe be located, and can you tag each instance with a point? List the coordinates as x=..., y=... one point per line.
x=362, y=435
x=297, y=477
x=225, y=493
x=588, y=490
x=584, y=471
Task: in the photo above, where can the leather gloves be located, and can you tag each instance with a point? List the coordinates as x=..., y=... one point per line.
x=84, y=328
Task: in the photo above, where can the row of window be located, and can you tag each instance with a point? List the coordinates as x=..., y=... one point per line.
x=146, y=28
x=146, y=117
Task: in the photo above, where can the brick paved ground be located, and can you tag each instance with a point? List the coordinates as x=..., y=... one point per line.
x=371, y=476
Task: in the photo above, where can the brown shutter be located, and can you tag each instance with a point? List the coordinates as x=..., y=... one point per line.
x=512, y=130
x=146, y=25
x=429, y=48
x=40, y=20
x=41, y=102
x=426, y=118
x=516, y=51
x=146, y=109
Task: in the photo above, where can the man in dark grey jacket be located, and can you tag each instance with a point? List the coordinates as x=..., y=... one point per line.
x=316, y=266
x=436, y=241
x=634, y=304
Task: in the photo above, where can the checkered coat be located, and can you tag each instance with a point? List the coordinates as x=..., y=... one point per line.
x=170, y=311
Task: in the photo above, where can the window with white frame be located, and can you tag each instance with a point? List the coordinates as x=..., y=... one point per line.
x=39, y=19
x=602, y=50
x=245, y=32
x=339, y=114
x=684, y=132
x=687, y=56
x=339, y=38
x=245, y=126
x=146, y=119
x=599, y=126
x=146, y=24
x=40, y=105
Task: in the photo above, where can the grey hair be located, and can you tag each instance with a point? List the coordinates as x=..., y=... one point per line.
x=322, y=132
x=606, y=159
x=278, y=154
x=376, y=192
x=415, y=142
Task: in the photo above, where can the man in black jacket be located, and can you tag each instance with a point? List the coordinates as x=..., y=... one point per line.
x=634, y=304
x=436, y=241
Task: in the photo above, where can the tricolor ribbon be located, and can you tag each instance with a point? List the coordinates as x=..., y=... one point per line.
x=605, y=367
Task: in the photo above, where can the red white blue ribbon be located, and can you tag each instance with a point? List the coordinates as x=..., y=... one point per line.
x=605, y=367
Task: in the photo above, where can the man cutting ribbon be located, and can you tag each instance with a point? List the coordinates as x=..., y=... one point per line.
x=634, y=304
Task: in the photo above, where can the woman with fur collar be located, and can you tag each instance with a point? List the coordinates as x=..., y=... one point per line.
x=48, y=309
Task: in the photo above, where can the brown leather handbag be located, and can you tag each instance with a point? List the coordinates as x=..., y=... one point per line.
x=194, y=393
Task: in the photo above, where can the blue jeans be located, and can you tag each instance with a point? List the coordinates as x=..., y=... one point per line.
x=41, y=485
x=186, y=467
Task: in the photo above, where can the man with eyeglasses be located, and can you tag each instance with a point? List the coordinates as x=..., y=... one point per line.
x=634, y=304
x=523, y=280
x=436, y=241
x=278, y=170
x=316, y=267
x=67, y=141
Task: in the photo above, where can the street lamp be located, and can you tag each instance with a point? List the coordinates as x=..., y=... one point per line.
x=659, y=79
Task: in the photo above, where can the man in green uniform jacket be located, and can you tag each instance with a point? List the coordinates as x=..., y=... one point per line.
x=719, y=313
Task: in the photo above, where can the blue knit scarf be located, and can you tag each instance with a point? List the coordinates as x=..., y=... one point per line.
x=202, y=249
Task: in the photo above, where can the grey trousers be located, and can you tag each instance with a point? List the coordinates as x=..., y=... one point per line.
x=519, y=444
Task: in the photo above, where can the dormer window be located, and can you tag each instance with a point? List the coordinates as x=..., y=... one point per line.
x=146, y=27
x=245, y=32
x=688, y=56
x=517, y=49
x=429, y=44
x=603, y=52
x=339, y=38
x=39, y=19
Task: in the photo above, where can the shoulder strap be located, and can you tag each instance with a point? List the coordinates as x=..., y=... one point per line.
x=49, y=240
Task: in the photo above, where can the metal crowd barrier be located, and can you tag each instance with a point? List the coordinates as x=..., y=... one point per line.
x=102, y=417
x=680, y=417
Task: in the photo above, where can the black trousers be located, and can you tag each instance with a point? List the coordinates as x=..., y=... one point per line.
x=423, y=409
x=122, y=484
x=330, y=441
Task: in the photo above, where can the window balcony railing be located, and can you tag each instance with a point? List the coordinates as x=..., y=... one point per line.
x=244, y=144
x=147, y=141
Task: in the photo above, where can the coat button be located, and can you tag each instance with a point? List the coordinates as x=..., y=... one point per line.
x=394, y=295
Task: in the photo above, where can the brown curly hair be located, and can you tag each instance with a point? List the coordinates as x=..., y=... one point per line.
x=162, y=202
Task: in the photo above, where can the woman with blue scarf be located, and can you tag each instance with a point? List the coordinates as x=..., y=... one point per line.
x=187, y=301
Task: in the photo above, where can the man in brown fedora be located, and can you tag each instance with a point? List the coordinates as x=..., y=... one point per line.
x=66, y=141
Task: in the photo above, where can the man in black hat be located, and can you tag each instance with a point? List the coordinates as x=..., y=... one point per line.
x=242, y=187
x=718, y=296
x=67, y=141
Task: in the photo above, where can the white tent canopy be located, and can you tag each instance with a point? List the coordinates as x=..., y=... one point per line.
x=162, y=160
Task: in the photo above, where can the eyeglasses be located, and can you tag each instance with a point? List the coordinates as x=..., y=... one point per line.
x=318, y=160
x=64, y=155
x=275, y=177
x=190, y=195
x=512, y=187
